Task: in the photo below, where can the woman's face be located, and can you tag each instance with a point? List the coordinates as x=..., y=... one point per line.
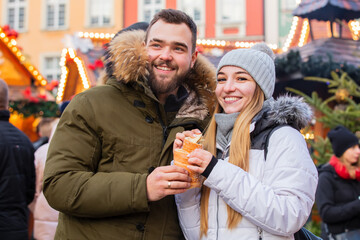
x=235, y=88
x=351, y=155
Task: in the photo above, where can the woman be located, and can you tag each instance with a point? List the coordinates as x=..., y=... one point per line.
x=338, y=192
x=249, y=194
x=45, y=217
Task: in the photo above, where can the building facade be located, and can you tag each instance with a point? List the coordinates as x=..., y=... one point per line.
x=216, y=19
x=45, y=26
x=42, y=26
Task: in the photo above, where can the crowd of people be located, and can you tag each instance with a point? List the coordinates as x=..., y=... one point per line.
x=104, y=168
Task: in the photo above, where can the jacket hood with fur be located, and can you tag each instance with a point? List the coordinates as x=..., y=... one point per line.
x=127, y=60
x=285, y=110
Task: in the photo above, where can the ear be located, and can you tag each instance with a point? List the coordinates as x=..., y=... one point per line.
x=193, y=58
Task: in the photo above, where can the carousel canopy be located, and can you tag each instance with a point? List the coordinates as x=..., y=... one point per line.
x=328, y=10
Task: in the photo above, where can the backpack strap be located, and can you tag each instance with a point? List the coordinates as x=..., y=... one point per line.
x=267, y=138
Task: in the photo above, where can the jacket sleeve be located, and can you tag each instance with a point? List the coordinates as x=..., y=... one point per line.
x=188, y=206
x=71, y=182
x=330, y=212
x=279, y=195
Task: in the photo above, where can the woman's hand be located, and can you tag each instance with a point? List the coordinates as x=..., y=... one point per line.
x=181, y=136
x=199, y=160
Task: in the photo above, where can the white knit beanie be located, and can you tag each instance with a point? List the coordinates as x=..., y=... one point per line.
x=258, y=61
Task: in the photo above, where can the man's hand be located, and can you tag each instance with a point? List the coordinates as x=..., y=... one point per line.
x=167, y=180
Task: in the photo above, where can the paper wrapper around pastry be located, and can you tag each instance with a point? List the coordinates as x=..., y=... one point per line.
x=181, y=159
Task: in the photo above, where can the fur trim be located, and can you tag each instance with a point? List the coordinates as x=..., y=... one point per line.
x=202, y=80
x=128, y=59
x=128, y=56
x=289, y=110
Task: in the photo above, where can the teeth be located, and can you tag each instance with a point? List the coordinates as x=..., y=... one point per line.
x=231, y=99
x=163, y=68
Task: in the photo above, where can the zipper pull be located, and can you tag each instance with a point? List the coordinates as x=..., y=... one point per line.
x=260, y=233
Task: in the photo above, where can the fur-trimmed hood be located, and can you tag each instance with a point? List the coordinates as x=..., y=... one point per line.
x=127, y=61
x=292, y=111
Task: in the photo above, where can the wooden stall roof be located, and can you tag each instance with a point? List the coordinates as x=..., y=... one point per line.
x=328, y=10
x=342, y=50
x=74, y=78
x=15, y=69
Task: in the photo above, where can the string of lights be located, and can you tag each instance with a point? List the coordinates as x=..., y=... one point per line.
x=12, y=45
x=69, y=54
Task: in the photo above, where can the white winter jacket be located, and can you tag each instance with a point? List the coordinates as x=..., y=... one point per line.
x=275, y=197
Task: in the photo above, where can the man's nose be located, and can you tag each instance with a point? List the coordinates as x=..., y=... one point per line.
x=166, y=54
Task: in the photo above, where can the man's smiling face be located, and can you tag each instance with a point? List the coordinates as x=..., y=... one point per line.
x=170, y=56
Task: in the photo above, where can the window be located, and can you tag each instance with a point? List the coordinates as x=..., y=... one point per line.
x=51, y=67
x=148, y=8
x=16, y=14
x=100, y=12
x=194, y=9
x=288, y=4
x=55, y=14
x=233, y=10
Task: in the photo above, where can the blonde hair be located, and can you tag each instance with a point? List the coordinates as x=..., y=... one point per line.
x=239, y=153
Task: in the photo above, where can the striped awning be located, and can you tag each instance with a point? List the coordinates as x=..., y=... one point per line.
x=328, y=10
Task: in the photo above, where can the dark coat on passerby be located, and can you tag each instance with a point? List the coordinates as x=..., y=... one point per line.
x=338, y=201
x=98, y=180
x=17, y=180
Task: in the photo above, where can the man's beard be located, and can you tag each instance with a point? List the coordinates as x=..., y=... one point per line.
x=158, y=86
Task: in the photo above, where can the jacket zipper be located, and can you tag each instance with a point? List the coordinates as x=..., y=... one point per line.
x=217, y=217
x=217, y=200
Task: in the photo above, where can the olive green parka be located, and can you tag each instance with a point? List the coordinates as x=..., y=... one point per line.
x=108, y=140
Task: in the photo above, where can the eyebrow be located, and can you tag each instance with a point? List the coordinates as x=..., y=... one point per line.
x=239, y=72
x=174, y=43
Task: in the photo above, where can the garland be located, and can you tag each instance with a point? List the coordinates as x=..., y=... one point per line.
x=36, y=109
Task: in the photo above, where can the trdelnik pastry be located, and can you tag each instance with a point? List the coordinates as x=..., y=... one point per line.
x=181, y=157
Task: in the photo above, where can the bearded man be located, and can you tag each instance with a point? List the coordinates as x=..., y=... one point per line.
x=108, y=169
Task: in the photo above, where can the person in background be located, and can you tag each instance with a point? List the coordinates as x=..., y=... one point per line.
x=338, y=192
x=107, y=169
x=17, y=175
x=43, y=129
x=63, y=105
x=260, y=180
x=45, y=217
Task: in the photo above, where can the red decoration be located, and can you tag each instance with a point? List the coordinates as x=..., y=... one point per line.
x=98, y=63
x=42, y=97
x=6, y=28
x=34, y=99
x=91, y=67
x=11, y=33
x=27, y=93
x=53, y=84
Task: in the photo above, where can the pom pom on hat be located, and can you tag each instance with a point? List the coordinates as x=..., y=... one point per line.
x=341, y=140
x=258, y=61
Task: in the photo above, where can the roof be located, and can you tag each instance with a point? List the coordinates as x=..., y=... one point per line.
x=74, y=78
x=328, y=10
x=342, y=50
x=10, y=51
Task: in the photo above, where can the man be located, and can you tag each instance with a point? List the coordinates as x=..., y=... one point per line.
x=17, y=175
x=108, y=169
